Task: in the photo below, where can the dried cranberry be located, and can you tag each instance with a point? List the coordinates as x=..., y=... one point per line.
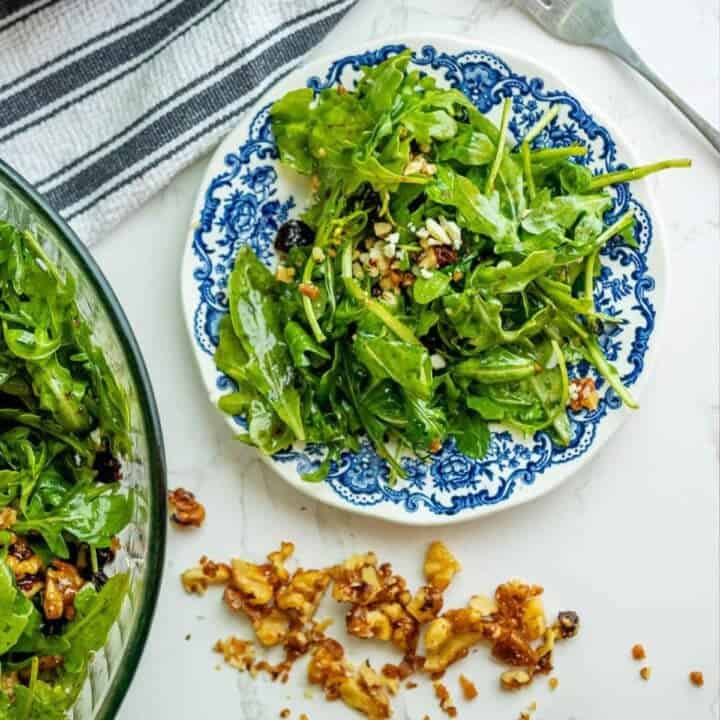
x=104, y=556
x=445, y=255
x=108, y=467
x=292, y=234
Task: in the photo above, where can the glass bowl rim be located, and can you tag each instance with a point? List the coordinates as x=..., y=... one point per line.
x=154, y=562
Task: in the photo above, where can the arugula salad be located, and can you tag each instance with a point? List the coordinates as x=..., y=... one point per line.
x=64, y=424
x=440, y=281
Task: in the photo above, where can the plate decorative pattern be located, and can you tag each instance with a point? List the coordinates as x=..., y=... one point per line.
x=248, y=200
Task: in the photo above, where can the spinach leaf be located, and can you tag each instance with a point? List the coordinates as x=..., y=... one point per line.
x=257, y=325
x=93, y=514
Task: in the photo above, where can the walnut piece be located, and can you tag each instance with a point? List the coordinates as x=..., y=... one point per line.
x=440, y=566
x=468, y=688
x=515, y=679
x=62, y=582
x=446, y=703
x=583, y=394
x=697, y=678
x=197, y=580
x=238, y=653
x=638, y=652
x=364, y=690
x=188, y=512
x=8, y=517
x=645, y=673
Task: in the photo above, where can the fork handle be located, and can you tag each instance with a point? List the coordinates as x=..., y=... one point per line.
x=618, y=45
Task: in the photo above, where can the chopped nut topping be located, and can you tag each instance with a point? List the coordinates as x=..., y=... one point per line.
x=188, y=512
x=238, y=653
x=638, y=652
x=62, y=582
x=443, y=695
x=285, y=713
x=198, y=579
x=696, y=678
x=8, y=517
x=440, y=566
x=364, y=690
x=645, y=673
x=514, y=679
x=568, y=623
x=426, y=604
x=583, y=394
x=285, y=274
x=468, y=687
x=309, y=290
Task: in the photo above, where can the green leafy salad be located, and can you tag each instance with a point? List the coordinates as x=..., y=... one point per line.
x=64, y=423
x=441, y=280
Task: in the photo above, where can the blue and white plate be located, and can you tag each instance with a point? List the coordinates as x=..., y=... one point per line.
x=247, y=195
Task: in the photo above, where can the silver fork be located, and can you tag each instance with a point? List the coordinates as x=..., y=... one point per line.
x=592, y=22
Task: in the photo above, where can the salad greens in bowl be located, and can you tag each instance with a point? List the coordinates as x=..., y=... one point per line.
x=426, y=320
x=82, y=483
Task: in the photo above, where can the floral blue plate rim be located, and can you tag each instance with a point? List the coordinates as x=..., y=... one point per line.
x=246, y=195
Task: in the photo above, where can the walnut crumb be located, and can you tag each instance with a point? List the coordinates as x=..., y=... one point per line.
x=645, y=673
x=696, y=678
x=468, y=688
x=285, y=713
x=188, y=512
x=638, y=652
x=410, y=685
x=304, y=717
x=446, y=703
x=553, y=682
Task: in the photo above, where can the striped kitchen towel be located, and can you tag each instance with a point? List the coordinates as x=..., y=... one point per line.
x=102, y=102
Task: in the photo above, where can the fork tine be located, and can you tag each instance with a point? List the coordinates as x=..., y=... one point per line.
x=535, y=8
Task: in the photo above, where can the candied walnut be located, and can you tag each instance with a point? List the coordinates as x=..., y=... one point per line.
x=303, y=593
x=384, y=621
x=62, y=582
x=483, y=605
x=697, y=678
x=440, y=566
x=645, y=673
x=583, y=394
x=29, y=565
x=512, y=648
x=568, y=624
x=426, y=604
x=450, y=637
x=197, y=580
x=8, y=682
x=255, y=582
x=30, y=585
x=468, y=688
x=360, y=581
x=328, y=668
x=369, y=693
x=188, y=512
x=364, y=690
x=8, y=517
x=238, y=653
x=638, y=652
x=515, y=679
x=443, y=695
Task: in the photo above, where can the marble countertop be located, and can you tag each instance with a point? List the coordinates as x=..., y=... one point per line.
x=631, y=542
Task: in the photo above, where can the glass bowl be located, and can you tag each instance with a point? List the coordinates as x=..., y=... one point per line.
x=143, y=542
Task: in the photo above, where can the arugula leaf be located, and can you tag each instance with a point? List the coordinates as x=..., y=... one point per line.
x=476, y=211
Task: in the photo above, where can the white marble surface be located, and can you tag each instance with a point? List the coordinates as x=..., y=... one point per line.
x=631, y=543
